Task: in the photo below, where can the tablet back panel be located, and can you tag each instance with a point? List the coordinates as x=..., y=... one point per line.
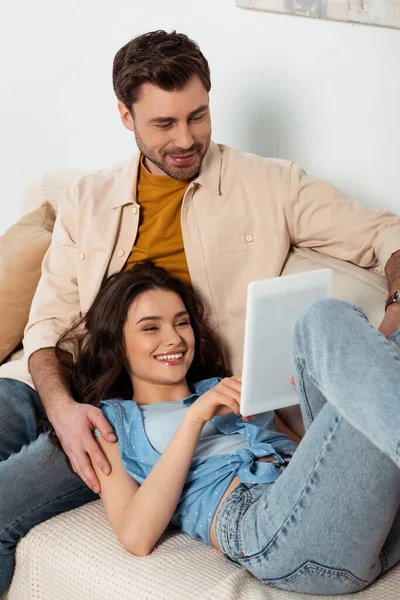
x=273, y=306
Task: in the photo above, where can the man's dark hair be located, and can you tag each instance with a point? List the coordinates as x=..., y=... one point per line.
x=167, y=60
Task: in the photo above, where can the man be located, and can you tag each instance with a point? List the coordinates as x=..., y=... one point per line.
x=212, y=216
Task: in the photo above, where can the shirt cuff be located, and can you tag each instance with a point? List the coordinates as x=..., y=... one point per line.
x=39, y=337
x=389, y=246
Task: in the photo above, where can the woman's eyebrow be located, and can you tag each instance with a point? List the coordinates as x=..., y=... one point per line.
x=157, y=318
x=181, y=314
x=150, y=318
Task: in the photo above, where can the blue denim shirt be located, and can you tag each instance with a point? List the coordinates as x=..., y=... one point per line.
x=208, y=476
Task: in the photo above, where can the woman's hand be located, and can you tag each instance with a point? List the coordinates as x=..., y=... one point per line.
x=222, y=399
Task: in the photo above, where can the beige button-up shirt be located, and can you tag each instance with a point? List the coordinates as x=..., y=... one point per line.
x=239, y=218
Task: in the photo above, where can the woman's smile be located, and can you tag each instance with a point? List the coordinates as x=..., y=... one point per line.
x=170, y=360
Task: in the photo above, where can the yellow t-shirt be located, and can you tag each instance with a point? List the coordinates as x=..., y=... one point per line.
x=159, y=236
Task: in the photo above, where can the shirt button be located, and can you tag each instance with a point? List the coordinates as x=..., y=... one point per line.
x=248, y=238
x=120, y=252
x=134, y=210
x=81, y=256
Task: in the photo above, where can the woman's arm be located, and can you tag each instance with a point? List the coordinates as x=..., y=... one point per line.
x=139, y=515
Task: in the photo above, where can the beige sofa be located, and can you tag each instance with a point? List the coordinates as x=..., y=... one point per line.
x=76, y=556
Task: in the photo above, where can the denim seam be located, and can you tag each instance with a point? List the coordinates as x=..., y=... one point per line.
x=247, y=501
x=323, y=570
x=301, y=366
x=223, y=529
x=273, y=542
x=65, y=496
x=384, y=561
x=226, y=516
x=317, y=384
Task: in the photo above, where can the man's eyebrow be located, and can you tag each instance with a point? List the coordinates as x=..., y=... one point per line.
x=157, y=318
x=161, y=120
x=200, y=109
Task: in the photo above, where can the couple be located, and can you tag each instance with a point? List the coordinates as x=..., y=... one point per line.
x=215, y=219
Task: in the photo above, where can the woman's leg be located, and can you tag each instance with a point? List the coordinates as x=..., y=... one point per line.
x=345, y=361
x=322, y=526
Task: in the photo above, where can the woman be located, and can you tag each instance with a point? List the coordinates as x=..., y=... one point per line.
x=320, y=518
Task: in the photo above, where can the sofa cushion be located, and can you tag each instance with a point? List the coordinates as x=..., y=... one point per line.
x=22, y=248
x=364, y=287
x=77, y=556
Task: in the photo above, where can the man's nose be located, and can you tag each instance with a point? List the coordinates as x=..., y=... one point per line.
x=184, y=139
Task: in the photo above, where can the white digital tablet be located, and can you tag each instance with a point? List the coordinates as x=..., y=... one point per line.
x=273, y=306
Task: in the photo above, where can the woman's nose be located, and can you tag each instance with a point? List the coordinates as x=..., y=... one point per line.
x=172, y=338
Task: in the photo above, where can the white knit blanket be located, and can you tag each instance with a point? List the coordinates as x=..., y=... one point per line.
x=76, y=556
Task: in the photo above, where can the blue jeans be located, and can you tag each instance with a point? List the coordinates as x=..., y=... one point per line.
x=35, y=481
x=330, y=524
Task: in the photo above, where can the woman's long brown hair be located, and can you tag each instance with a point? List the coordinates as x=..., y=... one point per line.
x=99, y=371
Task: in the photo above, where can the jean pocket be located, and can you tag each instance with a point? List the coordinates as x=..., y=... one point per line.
x=313, y=578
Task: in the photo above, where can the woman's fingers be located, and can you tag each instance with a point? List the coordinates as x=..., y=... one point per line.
x=230, y=402
x=230, y=388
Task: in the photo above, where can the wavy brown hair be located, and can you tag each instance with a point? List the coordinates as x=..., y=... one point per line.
x=99, y=371
x=166, y=60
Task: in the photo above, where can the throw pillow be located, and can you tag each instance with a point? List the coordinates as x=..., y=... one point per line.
x=22, y=248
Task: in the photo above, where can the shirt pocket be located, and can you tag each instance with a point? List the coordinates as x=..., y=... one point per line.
x=91, y=267
x=245, y=256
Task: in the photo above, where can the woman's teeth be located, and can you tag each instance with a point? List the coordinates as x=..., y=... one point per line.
x=170, y=356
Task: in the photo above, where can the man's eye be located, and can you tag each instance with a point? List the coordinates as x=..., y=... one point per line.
x=164, y=125
x=198, y=118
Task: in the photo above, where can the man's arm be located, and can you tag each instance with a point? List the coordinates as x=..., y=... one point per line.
x=55, y=305
x=391, y=320
x=321, y=217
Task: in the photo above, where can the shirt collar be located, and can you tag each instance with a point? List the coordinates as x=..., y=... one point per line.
x=125, y=190
x=210, y=170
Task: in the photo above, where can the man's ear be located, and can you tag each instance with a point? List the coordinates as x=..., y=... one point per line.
x=126, y=117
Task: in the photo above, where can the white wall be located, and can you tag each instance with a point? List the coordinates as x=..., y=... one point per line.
x=323, y=93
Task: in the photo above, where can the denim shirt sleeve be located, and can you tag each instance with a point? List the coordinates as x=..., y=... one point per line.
x=108, y=412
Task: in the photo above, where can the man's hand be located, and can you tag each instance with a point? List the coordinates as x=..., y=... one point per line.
x=74, y=430
x=73, y=422
x=391, y=320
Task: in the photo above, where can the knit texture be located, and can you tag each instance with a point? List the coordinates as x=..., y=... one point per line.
x=76, y=556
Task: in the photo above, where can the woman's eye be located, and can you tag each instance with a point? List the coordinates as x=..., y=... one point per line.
x=150, y=329
x=182, y=323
